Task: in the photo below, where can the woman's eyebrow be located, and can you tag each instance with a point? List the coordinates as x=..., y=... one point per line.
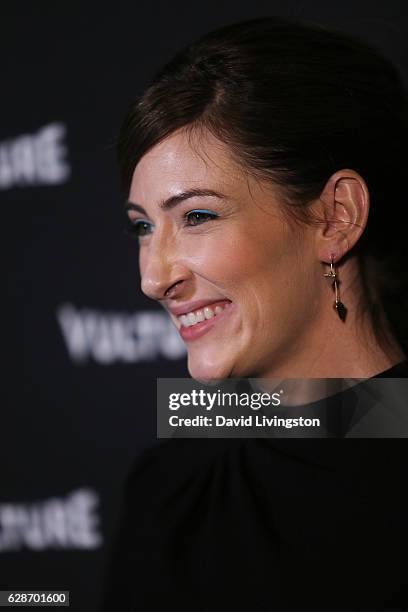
x=172, y=201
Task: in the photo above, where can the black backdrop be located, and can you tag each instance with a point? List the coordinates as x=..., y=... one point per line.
x=82, y=346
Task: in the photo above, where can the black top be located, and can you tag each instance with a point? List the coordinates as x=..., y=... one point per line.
x=252, y=525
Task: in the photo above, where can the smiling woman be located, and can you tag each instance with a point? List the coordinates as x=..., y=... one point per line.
x=237, y=256
x=257, y=179
x=263, y=171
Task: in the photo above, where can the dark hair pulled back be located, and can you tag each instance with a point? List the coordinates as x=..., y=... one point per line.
x=296, y=102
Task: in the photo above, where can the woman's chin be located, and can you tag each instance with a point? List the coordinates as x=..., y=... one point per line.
x=208, y=373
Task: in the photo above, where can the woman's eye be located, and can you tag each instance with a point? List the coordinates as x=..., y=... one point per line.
x=138, y=228
x=196, y=217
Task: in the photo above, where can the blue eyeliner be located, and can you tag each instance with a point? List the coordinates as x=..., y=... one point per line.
x=203, y=210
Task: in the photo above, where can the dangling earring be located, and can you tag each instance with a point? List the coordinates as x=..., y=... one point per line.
x=338, y=305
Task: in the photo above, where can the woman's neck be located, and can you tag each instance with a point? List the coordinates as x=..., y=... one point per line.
x=334, y=349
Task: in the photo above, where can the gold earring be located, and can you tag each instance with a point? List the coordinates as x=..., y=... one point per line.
x=338, y=306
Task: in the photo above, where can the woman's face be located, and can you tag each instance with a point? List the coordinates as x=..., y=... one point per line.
x=221, y=238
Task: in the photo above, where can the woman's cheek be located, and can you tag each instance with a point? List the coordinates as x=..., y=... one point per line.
x=228, y=257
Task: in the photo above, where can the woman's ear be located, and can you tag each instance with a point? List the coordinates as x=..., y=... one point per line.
x=344, y=204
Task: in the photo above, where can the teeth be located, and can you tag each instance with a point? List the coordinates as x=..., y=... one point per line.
x=200, y=316
x=208, y=313
x=192, y=318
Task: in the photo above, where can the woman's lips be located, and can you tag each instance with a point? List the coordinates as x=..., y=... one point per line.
x=199, y=329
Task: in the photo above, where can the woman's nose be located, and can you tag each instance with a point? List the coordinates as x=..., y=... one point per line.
x=161, y=274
